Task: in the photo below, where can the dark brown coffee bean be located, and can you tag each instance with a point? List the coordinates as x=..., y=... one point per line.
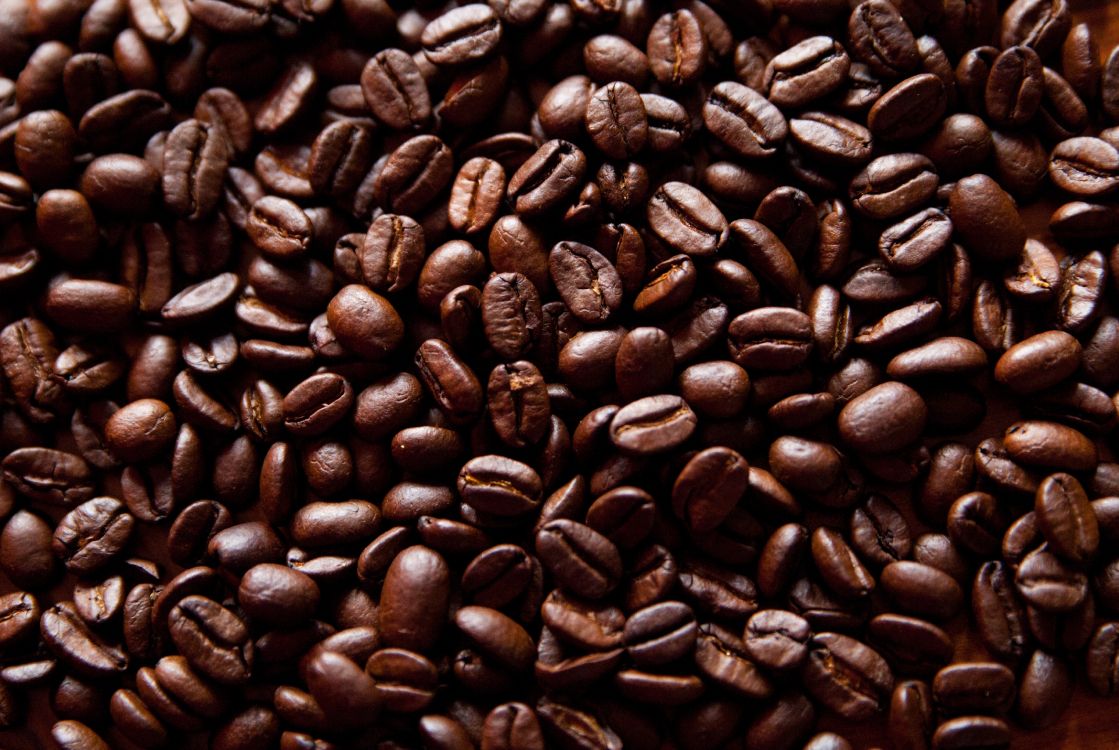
x=548, y=179
x=847, y=676
x=1045, y=690
x=884, y=418
x=806, y=72
x=72, y=641
x=616, y=120
x=880, y=38
x=395, y=90
x=771, y=338
x=916, y=240
x=653, y=424
x=660, y=634
x=909, y=109
x=1014, y=87
x=971, y=732
x=744, y=120
x=476, y=195
x=1066, y=518
x=709, y=487
x=213, y=639
x=777, y=639
x=581, y=560
x=910, y=719
x=461, y=36
x=839, y=566
x=677, y=49
x=910, y=645
x=974, y=687
x=922, y=589
x=1050, y=584
x=1037, y=443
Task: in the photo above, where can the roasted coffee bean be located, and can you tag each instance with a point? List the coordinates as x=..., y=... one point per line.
x=847, y=676
x=880, y=38
x=910, y=719
x=709, y=487
x=974, y=687
x=910, y=109
x=547, y=179
x=985, y=219
x=72, y=641
x=677, y=48
x=653, y=424
x=883, y=418
x=806, y=71
x=909, y=644
x=744, y=121
x=922, y=589
x=660, y=634
x=582, y=560
x=212, y=638
x=776, y=639
x=1066, y=518
x=1037, y=443
x=1048, y=583
x=839, y=566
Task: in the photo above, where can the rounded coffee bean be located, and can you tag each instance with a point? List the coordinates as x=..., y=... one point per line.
x=277, y=595
x=847, y=676
x=777, y=639
x=1066, y=518
x=922, y=589
x=660, y=634
x=653, y=424
x=884, y=418
x=365, y=322
x=140, y=430
x=974, y=687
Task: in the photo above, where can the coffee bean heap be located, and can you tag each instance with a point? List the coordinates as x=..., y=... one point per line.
x=541, y=374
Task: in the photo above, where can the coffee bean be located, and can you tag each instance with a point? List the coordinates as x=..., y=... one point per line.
x=977, y=205
x=582, y=560
x=686, y=220
x=616, y=120
x=677, y=48
x=971, y=731
x=547, y=179
x=1066, y=518
x=652, y=425
x=909, y=109
x=213, y=639
x=883, y=418
x=838, y=565
x=806, y=71
x=922, y=589
x=744, y=121
x=911, y=715
x=72, y=641
x=586, y=281
x=974, y=687
x=880, y=38
x=1045, y=690
x=846, y=676
x=1034, y=443
x=777, y=639
x=1085, y=166
x=1048, y=583
x=909, y=644
x=660, y=634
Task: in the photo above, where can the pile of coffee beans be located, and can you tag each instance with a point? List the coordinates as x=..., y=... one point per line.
x=570, y=374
